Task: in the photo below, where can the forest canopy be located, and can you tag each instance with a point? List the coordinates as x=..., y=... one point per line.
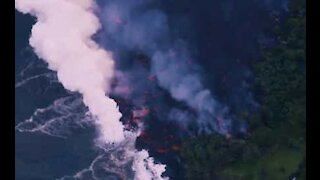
x=274, y=146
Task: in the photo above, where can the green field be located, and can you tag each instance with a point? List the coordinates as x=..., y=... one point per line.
x=276, y=165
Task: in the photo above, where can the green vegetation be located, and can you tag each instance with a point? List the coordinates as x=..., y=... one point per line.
x=275, y=145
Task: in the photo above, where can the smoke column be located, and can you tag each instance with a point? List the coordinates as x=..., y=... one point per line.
x=62, y=37
x=139, y=26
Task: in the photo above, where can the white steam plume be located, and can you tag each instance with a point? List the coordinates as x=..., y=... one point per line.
x=62, y=37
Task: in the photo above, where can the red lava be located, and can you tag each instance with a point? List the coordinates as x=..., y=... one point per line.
x=162, y=151
x=145, y=136
x=137, y=115
x=176, y=147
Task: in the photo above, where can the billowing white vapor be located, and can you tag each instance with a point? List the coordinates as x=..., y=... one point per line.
x=62, y=37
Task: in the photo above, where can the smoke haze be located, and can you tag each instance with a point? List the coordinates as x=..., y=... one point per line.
x=133, y=26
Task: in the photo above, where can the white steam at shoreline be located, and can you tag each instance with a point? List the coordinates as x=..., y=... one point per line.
x=62, y=37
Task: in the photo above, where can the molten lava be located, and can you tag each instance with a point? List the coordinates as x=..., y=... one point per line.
x=139, y=114
x=145, y=136
x=176, y=147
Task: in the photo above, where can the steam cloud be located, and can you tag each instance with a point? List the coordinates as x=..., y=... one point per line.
x=62, y=37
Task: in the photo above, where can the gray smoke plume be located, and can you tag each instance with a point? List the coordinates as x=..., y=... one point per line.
x=136, y=26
